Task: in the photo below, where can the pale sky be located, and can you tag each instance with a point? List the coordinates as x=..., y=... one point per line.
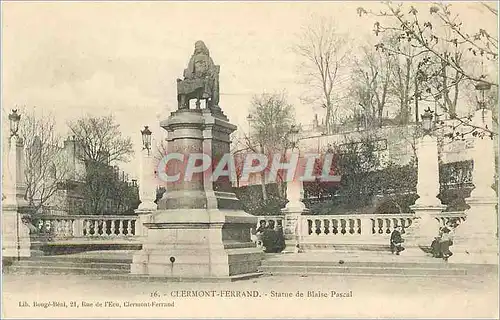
x=73, y=58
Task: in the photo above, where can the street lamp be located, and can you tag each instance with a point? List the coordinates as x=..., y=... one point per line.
x=481, y=88
x=146, y=138
x=293, y=133
x=427, y=123
x=14, y=119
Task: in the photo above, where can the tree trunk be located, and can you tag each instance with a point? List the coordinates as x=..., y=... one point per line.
x=263, y=179
x=416, y=100
x=328, y=116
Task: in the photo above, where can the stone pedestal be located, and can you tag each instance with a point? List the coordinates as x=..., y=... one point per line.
x=16, y=241
x=15, y=233
x=425, y=227
x=476, y=239
x=292, y=211
x=199, y=229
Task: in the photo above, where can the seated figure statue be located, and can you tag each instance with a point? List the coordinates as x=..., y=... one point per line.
x=201, y=80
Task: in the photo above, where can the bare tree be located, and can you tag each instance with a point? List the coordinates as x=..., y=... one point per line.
x=446, y=53
x=324, y=51
x=240, y=143
x=272, y=118
x=423, y=34
x=100, y=139
x=371, y=82
x=100, y=143
x=161, y=149
x=46, y=163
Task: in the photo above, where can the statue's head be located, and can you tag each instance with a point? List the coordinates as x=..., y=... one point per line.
x=201, y=48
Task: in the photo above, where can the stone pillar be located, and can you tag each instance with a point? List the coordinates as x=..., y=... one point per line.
x=199, y=229
x=15, y=234
x=424, y=226
x=147, y=182
x=476, y=239
x=147, y=191
x=292, y=211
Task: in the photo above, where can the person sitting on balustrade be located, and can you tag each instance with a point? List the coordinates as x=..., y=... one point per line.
x=435, y=245
x=270, y=239
x=446, y=241
x=280, y=241
x=396, y=241
x=259, y=232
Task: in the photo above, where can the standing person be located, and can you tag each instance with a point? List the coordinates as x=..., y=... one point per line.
x=397, y=241
x=446, y=241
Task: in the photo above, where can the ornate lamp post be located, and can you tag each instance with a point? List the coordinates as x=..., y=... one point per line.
x=481, y=89
x=476, y=239
x=15, y=234
x=427, y=124
x=425, y=227
x=147, y=175
x=14, y=119
x=295, y=207
x=146, y=139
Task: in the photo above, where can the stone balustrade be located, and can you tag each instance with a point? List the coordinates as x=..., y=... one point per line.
x=93, y=227
x=278, y=220
x=327, y=229
x=450, y=217
x=362, y=228
x=352, y=225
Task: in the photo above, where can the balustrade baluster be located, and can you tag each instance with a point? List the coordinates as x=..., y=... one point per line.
x=67, y=228
x=58, y=228
x=93, y=227
x=102, y=228
x=379, y=225
x=331, y=226
x=109, y=228
x=325, y=226
x=351, y=225
x=133, y=227
x=317, y=226
x=339, y=226
x=126, y=230
x=335, y=226
x=358, y=226
x=388, y=226
x=120, y=227
x=113, y=227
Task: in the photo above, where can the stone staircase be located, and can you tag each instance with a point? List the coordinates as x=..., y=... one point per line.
x=89, y=263
x=116, y=264
x=366, y=264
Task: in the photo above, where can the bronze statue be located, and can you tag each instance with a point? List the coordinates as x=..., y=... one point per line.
x=201, y=80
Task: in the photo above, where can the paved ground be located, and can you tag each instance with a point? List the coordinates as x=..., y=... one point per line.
x=371, y=297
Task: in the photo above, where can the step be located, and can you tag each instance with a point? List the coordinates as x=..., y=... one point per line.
x=72, y=264
x=20, y=269
x=79, y=259
x=348, y=263
x=369, y=275
x=360, y=270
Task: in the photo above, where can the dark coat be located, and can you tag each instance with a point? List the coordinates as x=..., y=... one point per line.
x=396, y=237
